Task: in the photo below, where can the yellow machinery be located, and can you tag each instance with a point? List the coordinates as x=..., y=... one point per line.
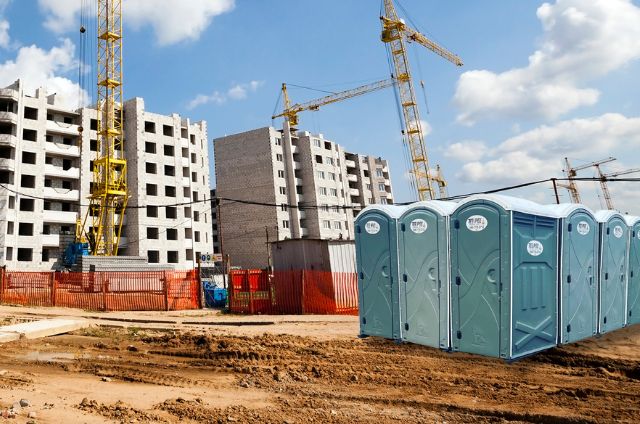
x=108, y=199
x=396, y=34
x=290, y=112
x=571, y=172
x=603, y=182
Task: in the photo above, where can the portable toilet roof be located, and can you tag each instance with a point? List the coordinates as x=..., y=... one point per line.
x=510, y=203
x=392, y=211
x=631, y=220
x=605, y=215
x=563, y=210
x=443, y=207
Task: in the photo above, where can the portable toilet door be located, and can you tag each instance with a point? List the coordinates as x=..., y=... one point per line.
x=503, y=277
x=578, y=272
x=423, y=267
x=633, y=285
x=612, y=289
x=377, y=265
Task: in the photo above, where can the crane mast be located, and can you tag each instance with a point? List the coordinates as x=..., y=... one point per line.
x=604, y=186
x=395, y=33
x=572, y=172
x=108, y=199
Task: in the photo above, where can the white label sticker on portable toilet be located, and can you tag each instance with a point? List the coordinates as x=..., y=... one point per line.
x=418, y=226
x=476, y=223
x=535, y=248
x=617, y=231
x=583, y=228
x=638, y=234
x=372, y=227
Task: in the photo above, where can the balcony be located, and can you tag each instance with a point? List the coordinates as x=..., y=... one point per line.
x=61, y=194
x=304, y=232
x=51, y=240
x=295, y=149
x=9, y=117
x=56, y=171
x=298, y=181
x=59, y=217
x=62, y=149
x=350, y=164
x=8, y=139
x=7, y=164
x=354, y=192
x=352, y=177
x=302, y=214
x=296, y=165
x=62, y=128
x=8, y=92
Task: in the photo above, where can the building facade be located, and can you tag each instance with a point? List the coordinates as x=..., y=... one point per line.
x=45, y=172
x=290, y=185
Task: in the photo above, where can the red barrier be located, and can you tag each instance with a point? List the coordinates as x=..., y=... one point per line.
x=102, y=291
x=293, y=292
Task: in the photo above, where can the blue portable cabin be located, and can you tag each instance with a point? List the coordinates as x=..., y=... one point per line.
x=377, y=266
x=612, y=273
x=578, y=301
x=504, y=276
x=633, y=267
x=423, y=254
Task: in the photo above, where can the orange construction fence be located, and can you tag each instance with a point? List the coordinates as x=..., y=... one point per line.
x=293, y=292
x=103, y=291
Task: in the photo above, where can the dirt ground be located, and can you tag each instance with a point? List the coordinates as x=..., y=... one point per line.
x=204, y=367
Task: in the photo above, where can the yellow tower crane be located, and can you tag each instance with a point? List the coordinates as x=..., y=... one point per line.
x=396, y=34
x=603, y=182
x=572, y=172
x=109, y=196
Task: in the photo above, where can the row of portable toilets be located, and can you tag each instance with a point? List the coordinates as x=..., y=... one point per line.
x=496, y=275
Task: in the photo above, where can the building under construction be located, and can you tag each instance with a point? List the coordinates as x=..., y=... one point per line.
x=46, y=179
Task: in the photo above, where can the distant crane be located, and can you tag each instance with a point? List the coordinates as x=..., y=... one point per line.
x=395, y=33
x=572, y=172
x=603, y=182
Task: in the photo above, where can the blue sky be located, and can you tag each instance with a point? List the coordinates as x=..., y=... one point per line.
x=541, y=81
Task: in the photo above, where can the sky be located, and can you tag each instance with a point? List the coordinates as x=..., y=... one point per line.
x=541, y=80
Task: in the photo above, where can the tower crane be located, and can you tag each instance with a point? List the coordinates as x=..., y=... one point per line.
x=109, y=197
x=603, y=182
x=571, y=172
x=290, y=112
x=396, y=34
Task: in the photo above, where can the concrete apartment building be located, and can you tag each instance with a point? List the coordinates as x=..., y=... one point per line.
x=316, y=186
x=45, y=165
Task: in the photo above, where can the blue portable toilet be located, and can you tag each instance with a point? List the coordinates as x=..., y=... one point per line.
x=504, y=276
x=612, y=288
x=633, y=285
x=579, y=235
x=423, y=254
x=377, y=265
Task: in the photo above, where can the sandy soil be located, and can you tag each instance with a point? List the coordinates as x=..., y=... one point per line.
x=304, y=369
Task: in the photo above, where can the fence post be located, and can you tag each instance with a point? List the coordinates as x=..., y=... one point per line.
x=2, y=282
x=248, y=285
x=103, y=280
x=303, y=298
x=201, y=297
x=52, y=279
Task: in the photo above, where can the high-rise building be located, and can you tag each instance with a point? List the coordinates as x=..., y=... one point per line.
x=310, y=189
x=45, y=172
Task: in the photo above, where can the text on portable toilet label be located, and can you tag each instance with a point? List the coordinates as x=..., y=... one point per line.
x=535, y=248
x=476, y=223
x=617, y=231
x=372, y=227
x=418, y=226
x=583, y=228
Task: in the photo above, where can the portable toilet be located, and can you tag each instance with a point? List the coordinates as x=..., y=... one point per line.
x=633, y=285
x=578, y=304
x=377, y=266
x=504, y=279
x=423, y=246
x=612, y=289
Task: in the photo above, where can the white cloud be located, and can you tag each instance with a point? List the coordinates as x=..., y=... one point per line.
x=4, y=34
x=582, y=40
x=172, y=21
x=237, y=92
x=537, y=154
x=42, y=68
x=466, y=150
